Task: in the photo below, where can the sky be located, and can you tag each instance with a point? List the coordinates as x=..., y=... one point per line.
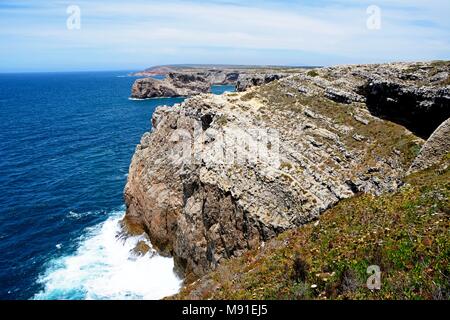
x=50, y=35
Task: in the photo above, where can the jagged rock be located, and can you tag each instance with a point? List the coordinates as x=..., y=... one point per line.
x=359, y=137
x=222, y=77
x=360, y=119
x=419, y=108
x=188, y=83
x=141, y=248
x=175, y=85
x=341, y=96
x=223, y=174
x=247, y=81
x=214, y=74
x=433, y=151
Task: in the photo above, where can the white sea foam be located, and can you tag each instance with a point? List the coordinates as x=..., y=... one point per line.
x=139, y=99
x=104, y=267
x=77, y=215
x=156, y=98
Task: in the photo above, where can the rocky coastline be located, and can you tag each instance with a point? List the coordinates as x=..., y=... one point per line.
x=190, y=82
x=320, y=136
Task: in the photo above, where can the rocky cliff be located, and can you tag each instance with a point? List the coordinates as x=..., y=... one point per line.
x=182, y=84
x=434, y=150
x=246, y=81
x=174, y=85
x=219, y=175
x=189, y=82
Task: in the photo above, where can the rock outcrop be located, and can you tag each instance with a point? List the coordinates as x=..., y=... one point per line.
x=219, y=175
x=179, y=84
x=434, y=150
x=174, y=85
x=420, y=109
x=246, y=81
x=184, y=83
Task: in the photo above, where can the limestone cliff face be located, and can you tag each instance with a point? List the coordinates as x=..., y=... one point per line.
x=246, y=81
x=190, y=83
x=219, y=175
x=434, y=150
x=175, y=85
x=181, y=84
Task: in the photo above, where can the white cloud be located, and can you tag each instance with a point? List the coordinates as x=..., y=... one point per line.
x=334, y=29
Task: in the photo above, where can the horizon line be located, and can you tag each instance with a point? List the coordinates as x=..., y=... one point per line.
x=193, y=65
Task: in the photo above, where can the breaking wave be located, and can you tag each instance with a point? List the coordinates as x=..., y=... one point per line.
x=105, y=266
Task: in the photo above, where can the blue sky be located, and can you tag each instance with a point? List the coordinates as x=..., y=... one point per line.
x=134, y=34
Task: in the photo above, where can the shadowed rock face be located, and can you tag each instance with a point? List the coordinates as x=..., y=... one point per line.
x=184, y=84
x=420, y=109
x=179, y=85
x=223, y=174
x=434, y=150
x=247, y=81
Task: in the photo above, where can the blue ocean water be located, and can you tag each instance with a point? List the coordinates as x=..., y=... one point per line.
x=65, y=147
x=219, y=89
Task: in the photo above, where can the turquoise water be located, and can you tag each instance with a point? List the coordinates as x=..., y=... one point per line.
x=65, y=147
x=221, y=89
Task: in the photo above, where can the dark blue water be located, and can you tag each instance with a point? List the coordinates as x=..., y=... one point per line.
x=65, y=148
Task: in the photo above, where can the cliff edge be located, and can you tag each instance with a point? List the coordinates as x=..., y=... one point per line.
x=221, y=175
x=190, y=82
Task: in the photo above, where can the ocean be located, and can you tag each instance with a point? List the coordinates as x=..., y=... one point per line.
x=65, y=147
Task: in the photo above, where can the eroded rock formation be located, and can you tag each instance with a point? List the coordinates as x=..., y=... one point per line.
x=435, y=149
x=185, y=83
x=246, y=81
x=219, y=175
x=174, y=85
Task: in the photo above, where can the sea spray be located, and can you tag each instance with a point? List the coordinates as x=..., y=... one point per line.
x=105, y=267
